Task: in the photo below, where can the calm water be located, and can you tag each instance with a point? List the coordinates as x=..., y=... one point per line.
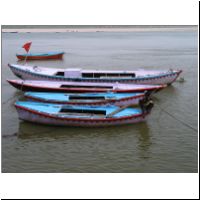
x=161, y=144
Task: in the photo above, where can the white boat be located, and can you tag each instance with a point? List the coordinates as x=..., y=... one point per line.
x=137, y=76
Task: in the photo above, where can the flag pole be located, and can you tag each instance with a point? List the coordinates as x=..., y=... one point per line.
x=27, y=48
x=26, y=57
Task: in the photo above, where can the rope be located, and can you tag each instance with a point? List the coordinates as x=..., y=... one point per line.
x=188, y=125
x=9, y=99
x=22, y=86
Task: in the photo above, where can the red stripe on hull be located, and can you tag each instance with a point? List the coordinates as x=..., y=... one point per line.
x=25, y=87
x=48, y=119
x=58, y=56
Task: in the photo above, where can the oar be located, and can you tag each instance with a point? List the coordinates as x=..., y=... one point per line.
x=147, y=94
x=145, y=106
x=117, y=111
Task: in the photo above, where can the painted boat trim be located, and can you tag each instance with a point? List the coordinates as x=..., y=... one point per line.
x=131, y=99
x=43, y=114
x=22, y=85
x=41, y=56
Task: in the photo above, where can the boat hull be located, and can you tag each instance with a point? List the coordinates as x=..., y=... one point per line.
x=23, y=86
x=40, y=57
x=166, y=78
x=41, y=118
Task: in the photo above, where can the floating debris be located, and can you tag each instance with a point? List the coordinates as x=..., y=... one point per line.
x=180, y=80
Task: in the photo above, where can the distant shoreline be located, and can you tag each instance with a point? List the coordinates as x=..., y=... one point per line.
x=121, y=29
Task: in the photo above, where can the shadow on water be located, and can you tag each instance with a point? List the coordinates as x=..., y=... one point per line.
x=144, y=141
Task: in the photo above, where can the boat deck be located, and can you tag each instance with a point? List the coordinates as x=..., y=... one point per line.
x=74, y=96
x=91, y=73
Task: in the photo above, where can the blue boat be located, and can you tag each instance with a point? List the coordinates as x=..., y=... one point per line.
x=85, y=116
x=118, y=99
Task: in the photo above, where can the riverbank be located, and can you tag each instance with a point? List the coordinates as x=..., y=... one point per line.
x=103, y=29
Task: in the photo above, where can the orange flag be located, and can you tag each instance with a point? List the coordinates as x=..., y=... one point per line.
x=27, y=46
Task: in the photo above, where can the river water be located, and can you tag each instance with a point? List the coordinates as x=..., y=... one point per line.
x=166, y=142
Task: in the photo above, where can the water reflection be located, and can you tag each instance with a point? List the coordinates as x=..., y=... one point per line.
x=30, y=130
x=165, y=95
x=42, y=62
x=169, y=92
x=144, y=140
x=134, y=138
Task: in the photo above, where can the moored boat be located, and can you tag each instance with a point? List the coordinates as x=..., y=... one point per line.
x=137, y=77
x=118, y=99
x=40, y=56
x=81, y=116
x=79, y=87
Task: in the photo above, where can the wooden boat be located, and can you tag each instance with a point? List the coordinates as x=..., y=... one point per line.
x=81, y=116
x=118, y=99
x=137, y=76
x=79, y=87
x=40, y=56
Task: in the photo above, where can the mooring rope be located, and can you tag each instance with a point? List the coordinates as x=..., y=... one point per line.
x=22, y=86
x=9, y=99
x=188, y=125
